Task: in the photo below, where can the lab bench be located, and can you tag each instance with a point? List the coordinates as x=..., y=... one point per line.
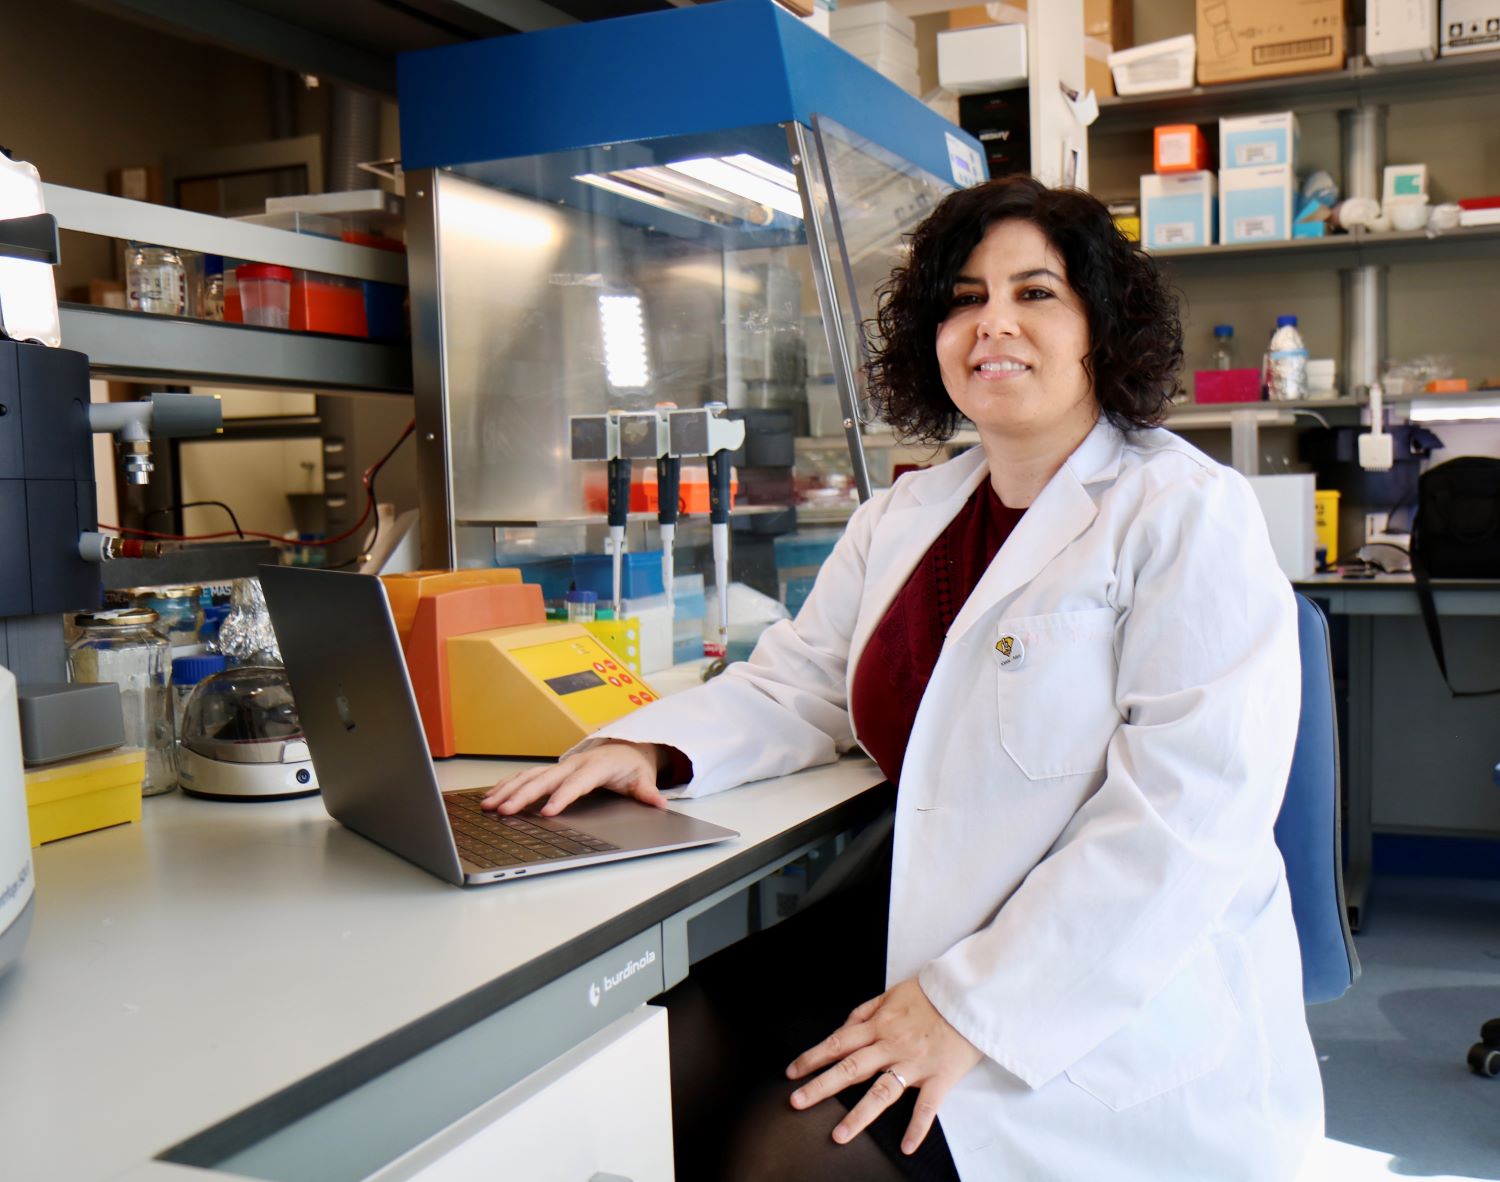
x=230, y=990
x=1419, y=761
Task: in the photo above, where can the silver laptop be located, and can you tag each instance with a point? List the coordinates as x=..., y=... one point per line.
x=354, y=698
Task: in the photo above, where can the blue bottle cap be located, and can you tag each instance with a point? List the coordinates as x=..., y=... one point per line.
x=577, y=596
x=1223, y=330
x=192, y=670
x=1283, y=321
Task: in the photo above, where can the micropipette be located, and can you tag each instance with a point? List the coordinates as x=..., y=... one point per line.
x=619, y=508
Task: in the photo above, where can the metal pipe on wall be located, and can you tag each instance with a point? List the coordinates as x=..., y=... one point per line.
x=354, y=137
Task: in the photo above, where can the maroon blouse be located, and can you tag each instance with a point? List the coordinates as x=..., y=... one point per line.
x=897, y=662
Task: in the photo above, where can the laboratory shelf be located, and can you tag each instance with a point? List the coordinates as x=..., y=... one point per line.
x=1301, y=412
x=139, y=346
x=1340, y=251
x=1359, y=84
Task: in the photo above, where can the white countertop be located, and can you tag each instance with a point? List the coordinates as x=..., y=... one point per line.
x=185, y=967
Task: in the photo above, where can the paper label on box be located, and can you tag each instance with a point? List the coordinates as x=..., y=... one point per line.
x=1249, y=229
x=1255, y=152
x=1175, y=234
x=968, y=167
x=1176, y=149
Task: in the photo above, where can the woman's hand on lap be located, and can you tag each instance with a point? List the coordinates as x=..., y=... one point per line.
x=898, y=1032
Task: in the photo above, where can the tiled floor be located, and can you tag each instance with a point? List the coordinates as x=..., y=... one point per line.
x=1401, y=1100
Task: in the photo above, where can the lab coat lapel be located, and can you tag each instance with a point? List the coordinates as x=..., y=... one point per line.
x=1060, y=513
x=906, y=534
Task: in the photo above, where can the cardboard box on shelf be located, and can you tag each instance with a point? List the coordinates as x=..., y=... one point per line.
x=1179, y=147
x=1399, y=31
x=1240, y=40
x=1468, y=26
x=137, y=182
x=1178, y=210
x=1255, y=204
x=1253, y=141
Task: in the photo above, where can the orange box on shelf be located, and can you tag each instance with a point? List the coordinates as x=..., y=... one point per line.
x=321, y=303
x=1447, y=386
x=692, y=490
x=1179, y=147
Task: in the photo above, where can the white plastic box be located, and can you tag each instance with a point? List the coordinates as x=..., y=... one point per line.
x=841, y=20
x=1468, y=26
x=982, y=59
x=1288, y=505
x=1162, y=65
x=1255, y=204
x=1253, y=141
x=869, y=41
x=1399, y=31
x=1178, y=210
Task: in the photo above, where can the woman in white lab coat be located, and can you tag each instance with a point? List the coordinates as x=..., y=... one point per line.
x=1091, y=968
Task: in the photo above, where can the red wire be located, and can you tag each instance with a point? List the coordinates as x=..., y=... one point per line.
x=369, y=474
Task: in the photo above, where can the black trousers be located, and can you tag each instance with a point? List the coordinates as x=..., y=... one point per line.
x=749, y=1010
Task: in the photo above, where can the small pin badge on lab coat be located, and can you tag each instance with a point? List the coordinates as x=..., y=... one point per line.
x=1009, y=651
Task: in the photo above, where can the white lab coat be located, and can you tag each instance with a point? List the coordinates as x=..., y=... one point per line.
x=1085, y=880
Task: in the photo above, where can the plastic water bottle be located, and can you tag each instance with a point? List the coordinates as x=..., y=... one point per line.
x=1286, y=361
x=1223, y=346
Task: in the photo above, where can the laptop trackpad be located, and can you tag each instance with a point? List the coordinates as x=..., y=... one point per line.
x=632, y=825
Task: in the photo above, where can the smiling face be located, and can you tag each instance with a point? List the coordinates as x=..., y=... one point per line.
x=1011, y=350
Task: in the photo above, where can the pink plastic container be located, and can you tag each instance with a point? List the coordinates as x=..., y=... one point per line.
x=265, y=294
x=1226, y=385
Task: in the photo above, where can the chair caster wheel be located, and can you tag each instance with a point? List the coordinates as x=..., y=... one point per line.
x=1489, y=1033
x=1484, y=1059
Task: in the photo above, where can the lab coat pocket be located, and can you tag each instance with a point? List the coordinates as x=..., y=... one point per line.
x=1056, y=691
x=1184, y=1032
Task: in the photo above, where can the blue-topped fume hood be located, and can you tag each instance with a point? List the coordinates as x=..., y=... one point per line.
x=678, y=81
x=733, y=181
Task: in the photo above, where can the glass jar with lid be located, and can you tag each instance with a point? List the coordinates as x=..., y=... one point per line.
x=122, y=646
x=180, y=611
x=155, y=280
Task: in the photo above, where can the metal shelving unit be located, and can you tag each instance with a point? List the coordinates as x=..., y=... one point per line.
x=1361, y=93
x=1358, y=85
x=186, y=351
x=139, y=346
x=1359, y=248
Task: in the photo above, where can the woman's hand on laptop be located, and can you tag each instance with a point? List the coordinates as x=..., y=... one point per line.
x=628, y=768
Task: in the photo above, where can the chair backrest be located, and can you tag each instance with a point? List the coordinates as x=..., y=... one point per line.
x=1307, y=829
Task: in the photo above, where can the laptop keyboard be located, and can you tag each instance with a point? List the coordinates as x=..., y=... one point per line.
x=490, y=840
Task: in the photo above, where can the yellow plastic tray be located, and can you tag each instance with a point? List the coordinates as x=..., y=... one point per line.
x=79, y=795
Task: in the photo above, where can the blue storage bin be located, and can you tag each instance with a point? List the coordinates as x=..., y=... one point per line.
x=796, y=593
x=385, y=311
x=810, y=548
x=640, y=574
x=554, y=575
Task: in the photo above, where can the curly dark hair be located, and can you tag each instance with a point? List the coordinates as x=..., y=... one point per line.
x=1135, y=329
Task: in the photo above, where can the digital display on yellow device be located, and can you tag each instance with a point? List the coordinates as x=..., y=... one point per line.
x=571, y=683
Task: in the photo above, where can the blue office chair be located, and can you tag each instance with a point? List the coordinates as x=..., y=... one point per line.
x=1307, y=828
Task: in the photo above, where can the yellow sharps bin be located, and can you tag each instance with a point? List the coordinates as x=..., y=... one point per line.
x=1326, y=522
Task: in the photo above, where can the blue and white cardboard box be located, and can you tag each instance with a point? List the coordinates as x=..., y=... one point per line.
x=1253, y=141
x=1255, y=204
x=1177, y=210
